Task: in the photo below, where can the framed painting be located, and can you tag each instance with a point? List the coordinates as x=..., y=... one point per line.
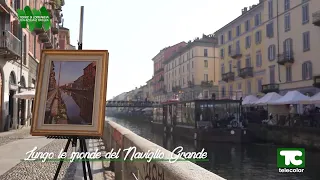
x=70, y=93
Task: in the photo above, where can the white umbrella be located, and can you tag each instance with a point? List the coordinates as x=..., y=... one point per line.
x=249, y=100
x=292, y=97
x=270, y=97
x=25, y=95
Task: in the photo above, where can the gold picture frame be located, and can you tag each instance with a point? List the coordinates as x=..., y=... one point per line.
x=62, y=108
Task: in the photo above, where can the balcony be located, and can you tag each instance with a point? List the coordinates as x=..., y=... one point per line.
x=190, y=84
x=44, y=37
x=159, y=70
x=176, y=89
x=48, y=45
x=227, y=77
x=206, y=83
x=316, y=18
x=316, y=81
x=246, y=72
x=55, y=28
x=161, y=79
x=236, y=53
x=267, y=88
x=10, y=46
x=285, y=58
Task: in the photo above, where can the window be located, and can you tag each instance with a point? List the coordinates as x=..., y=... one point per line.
x=287, y=22
x=230, y=66
x=272, y=74
x=238, y=47
x=259, y=83
x=182, y=68
x=269, y=30
x=191, y=64
x=238, y=66
x=247, y=25
x=248, y=42
x=239, y=86
x=271, y=52
x=35, y=47
x=231, y=90
x=223, y=91
x=270, y=9
x=205, y=52
x=192, y=53
x=305, y=13
x=288, y=73
x=205, y=77
x=221, y=53
x=258, y=59
x=221, y=39
x=286, y=5
x=229, y=49
x=229, y=35
x=258, y=37
x=306, y=71
x=206, y=63
x=248, y=87
x=287, y=46
x=24, y=52
x=257, y=19
x=188, y=67
x=306, y=41
x=248, y=61
x=238, y=32
x=222, y=69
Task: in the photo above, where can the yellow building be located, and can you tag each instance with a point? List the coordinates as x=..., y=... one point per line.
x=292, y=46
x=193, y=71
x=241, y=51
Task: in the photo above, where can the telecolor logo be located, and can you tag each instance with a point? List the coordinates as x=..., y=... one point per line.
x=34, y=18
x=291, y=160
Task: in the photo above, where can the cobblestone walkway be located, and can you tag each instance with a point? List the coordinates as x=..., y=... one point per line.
x=8, y=137
x=33, y=170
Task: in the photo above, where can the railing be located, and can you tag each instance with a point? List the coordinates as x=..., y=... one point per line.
x=286, y=57
x=229, y=76
x=235, y=53
x=246, y=72
x=266, y=88
x=11, y=42
x=207, y=83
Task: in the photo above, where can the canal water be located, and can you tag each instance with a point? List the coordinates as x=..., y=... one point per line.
x=73, y=110
x=231, y=161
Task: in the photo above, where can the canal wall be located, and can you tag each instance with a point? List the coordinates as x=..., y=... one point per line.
x=117, y=137
x=297, y=136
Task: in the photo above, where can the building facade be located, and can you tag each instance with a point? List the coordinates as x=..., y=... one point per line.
x=242, y=54
x=292, y=46
x=158, y=77
x=89, y=76
x=20, y=54
x=192, y=71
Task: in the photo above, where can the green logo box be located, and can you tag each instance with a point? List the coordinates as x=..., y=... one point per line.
x=291, y=157
x=34, y=18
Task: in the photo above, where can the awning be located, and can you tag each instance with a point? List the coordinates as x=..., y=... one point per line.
x=25, y=95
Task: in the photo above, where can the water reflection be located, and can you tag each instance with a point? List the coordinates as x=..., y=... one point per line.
x=231, y=161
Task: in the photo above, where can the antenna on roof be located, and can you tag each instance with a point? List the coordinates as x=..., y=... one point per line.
x=62, y=22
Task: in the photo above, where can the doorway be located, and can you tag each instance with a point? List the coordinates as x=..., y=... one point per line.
x=11, y=102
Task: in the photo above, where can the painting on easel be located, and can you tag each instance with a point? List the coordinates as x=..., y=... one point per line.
x=71, y=91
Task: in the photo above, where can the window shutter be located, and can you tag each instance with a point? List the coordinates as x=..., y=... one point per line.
x=310, y=69
x=303, y=71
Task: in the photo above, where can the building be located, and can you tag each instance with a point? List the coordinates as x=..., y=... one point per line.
x=158, y=78
x=149, y=94
x=71, y=47
x=242, y=54
x=89, y=76
x=19, y=58
x=78, y=83
x=52, y=78
x=192, y=71
x=64, y=38
x=292, y=46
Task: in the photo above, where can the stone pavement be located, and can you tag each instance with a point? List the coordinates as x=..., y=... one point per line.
x=99, y=169
x=15, y=144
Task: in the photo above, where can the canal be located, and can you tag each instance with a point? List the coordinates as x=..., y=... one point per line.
x=231, y=161
x=73, y=110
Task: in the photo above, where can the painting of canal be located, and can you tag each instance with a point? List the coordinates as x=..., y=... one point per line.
x=70, y=93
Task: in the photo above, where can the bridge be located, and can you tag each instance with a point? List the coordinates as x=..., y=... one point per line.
x=142, y=104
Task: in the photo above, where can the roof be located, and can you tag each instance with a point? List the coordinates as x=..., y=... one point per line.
x=208, y=40
x=242, y=15
x=161, y=51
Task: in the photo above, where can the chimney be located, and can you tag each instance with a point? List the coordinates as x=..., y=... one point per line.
x=242, y=11
x=245, y=9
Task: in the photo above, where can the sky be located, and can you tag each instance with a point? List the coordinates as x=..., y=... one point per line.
x=70, y=71
x=135, y=31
